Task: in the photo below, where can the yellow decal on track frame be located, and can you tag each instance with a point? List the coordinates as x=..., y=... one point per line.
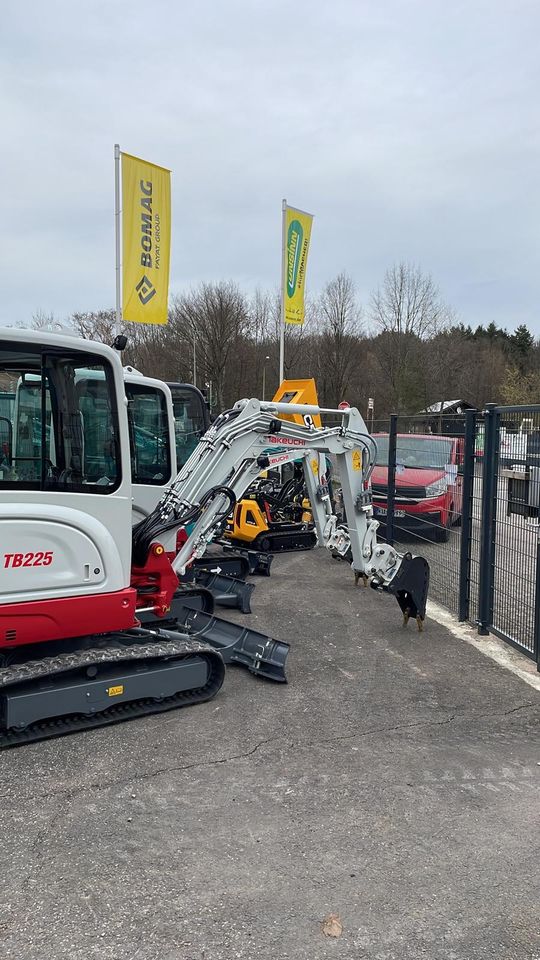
x=115, y=691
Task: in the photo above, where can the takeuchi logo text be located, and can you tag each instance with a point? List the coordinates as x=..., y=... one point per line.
x=286, y=441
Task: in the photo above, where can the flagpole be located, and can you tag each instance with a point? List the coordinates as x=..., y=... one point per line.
x=118, y=316
x=283, y=276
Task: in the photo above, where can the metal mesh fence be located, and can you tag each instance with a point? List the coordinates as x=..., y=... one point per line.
x=515, y=525
x=464, y=492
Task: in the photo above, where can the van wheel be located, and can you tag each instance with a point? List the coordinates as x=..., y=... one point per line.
x=442, y=534
x=454, y=519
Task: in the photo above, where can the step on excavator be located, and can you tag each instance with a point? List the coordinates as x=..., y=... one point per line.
x=91, y=628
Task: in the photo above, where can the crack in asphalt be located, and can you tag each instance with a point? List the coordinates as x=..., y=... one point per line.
x=72, y=793
x=37, y=849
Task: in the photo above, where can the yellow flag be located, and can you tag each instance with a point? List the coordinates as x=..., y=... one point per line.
x=297, y=237
x=146, y=240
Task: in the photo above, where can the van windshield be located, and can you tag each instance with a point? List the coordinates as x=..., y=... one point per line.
x=418, y=453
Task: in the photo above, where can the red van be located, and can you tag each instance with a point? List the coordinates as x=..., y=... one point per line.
x=428, y=497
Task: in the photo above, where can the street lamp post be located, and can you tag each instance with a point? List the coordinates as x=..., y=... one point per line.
x=264, y=378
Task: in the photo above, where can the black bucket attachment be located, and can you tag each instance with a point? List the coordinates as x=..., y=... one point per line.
x=261, y=654
x=226, y=591
x=231, y=565
x=258, y=561
x=410, y=588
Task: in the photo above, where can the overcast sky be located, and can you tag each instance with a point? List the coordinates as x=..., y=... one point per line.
x=410, y=128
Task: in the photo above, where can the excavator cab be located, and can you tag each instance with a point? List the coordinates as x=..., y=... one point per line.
x=71, y=644
x=65, y=490
x=191, y=419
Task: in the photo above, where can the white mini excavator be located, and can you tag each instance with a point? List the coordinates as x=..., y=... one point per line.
x=93, y=627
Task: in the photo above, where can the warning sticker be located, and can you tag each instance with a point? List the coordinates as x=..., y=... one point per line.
x=115, y=691
x=356, y=460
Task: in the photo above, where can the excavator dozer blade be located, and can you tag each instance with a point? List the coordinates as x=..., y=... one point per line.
x=261, y=654
x=410, y=587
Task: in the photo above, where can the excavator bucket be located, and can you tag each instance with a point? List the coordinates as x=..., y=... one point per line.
x=410, y=588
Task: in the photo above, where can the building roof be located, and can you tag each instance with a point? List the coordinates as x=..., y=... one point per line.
x=447, y=406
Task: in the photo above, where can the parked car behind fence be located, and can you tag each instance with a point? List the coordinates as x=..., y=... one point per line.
x=428, y=495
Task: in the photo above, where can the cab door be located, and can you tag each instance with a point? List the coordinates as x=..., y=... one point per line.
x=152, y=447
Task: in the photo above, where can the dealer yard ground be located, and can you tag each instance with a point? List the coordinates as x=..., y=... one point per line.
x=394, y=781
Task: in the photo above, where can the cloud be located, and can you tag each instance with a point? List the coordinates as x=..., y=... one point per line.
x=409, y=129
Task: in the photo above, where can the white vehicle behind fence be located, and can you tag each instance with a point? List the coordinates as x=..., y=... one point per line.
x=513, y=446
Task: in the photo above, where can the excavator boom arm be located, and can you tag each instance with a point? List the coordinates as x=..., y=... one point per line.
x=250, y=438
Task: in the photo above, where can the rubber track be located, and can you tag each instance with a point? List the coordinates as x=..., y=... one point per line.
x=283, y=542
x=279, y=542
x=53, y=666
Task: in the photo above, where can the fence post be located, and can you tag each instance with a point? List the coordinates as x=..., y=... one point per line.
x=466, y=514
x=485, y=587
x=391, y=495
x=537, y=605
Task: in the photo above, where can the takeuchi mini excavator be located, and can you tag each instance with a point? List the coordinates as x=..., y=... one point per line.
x=274, y=515
x=87, y=629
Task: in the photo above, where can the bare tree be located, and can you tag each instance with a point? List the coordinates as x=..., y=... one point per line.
x=95, y=325
x=214, y=317
x=259, y=345
x=297, y=361
x=101, y=325
x=405, y=311
x=45, y=321
x=413, y=356
x=408, y=302
x=339, y=329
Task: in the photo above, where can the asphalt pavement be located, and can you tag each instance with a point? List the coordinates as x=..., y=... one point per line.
x=393, y=782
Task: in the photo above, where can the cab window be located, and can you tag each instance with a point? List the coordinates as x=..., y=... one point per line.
x=149, y=434
x=190, y=421
x=62, y=431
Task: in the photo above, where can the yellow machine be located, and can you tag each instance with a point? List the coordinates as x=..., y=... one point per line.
x=275, y=515
x=254, y=523
x=298, y=391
